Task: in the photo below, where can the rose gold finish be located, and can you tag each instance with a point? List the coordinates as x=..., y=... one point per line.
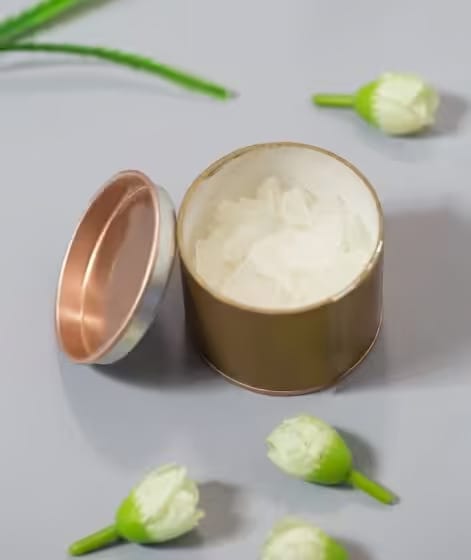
x=107, y=268
x=285, y=352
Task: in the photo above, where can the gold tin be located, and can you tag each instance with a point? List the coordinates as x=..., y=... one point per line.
x=284, y=352
x=119, y=260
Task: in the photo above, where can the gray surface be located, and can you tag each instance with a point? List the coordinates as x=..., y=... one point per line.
x=74, y=439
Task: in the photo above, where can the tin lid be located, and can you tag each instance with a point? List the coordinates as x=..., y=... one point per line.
x=115, y=270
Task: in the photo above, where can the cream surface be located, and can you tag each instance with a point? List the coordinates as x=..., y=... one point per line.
x=283, y=245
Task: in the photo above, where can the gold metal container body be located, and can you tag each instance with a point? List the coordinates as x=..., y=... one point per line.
x=287, y=351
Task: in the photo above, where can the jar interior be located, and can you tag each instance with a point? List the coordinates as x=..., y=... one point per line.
x=295, y=166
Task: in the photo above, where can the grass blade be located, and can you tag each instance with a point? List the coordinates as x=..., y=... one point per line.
x=134, y=61
x=36, y=16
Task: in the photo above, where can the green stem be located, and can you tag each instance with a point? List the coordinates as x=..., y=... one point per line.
x=100, y=539
x=135, y=61
x=373, y=489
x=333, y=100
x=31, y=18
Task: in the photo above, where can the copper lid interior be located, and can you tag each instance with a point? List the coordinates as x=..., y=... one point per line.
x=107, y=269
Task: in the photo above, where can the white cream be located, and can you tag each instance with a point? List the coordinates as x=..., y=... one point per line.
x=283, y=245
x=282, y=204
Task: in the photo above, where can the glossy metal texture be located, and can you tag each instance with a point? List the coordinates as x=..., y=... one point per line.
x=115, y=270
x=286, y=352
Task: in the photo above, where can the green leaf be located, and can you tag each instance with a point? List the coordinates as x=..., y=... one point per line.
x=36, y=16
x=130, y=60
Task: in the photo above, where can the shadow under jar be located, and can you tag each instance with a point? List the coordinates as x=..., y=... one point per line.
x=119, y=260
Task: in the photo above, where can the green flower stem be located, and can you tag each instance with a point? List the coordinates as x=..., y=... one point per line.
x=36, y=16
x=100, y=539
x=134, y=61
x=333, y=100
x=373, y=489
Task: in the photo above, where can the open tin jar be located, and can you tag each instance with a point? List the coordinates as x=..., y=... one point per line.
x=119, y=262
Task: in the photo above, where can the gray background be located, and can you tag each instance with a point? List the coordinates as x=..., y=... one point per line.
x=74, y=439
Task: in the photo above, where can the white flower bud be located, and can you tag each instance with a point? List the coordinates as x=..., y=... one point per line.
x=308, y=448
x=396, y=103
x=160, y=508
x=403, y=104
x=294, y=539
x=164, y=504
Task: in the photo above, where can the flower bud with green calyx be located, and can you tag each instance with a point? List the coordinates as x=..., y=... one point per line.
x=310, y=449
x=398, y=104
x=162, y=507
x=294, y=539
